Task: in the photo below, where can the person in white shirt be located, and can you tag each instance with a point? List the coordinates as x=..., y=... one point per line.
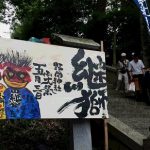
x=136, y=71
x=122, y=72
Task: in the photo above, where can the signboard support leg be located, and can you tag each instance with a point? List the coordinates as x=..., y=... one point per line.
x=82, y=135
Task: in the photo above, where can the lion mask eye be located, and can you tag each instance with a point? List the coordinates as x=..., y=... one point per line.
x=21, y=76
x=10, y=74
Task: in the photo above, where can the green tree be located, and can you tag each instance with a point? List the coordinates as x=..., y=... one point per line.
x=41, y=18
x=116, y=22
x=96, y=26
x=123, y=30
x=2, y=8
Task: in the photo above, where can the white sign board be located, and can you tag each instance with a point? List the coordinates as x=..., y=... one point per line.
x=49, y=81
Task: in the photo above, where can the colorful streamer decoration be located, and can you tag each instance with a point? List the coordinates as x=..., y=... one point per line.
x=43, y=40
x=142, y=5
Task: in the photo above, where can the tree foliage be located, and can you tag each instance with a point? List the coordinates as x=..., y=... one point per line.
x=2, y=8
x=34, y=135
x=42, y=17
x=95, y=19
x=73, y=17
x=125, y=19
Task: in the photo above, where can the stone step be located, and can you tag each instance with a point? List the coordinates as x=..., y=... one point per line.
x=131, y=115
x=126, y=109
x=126, y=134
x=128, y=104
x=139, y=124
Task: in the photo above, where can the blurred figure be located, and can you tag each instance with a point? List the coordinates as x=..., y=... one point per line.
x=132, y=55
x=136, y=71
x=122, y=72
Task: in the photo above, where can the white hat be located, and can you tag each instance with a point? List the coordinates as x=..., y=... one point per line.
x=123, y=54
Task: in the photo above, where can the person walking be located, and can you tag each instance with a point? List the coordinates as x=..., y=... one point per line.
x=136, y=71
x=122, y=68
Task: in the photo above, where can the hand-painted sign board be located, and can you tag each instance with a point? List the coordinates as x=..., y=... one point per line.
x=49, y=81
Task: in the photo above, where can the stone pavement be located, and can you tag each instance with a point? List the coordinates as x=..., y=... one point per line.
x=134, y=114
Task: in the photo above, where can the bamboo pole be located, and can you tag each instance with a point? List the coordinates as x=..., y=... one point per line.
x=102, y=46
x=105, y=119
x=106, y=133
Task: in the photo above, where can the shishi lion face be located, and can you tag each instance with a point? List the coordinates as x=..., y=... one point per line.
x=16, y=77
x=15, y=66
